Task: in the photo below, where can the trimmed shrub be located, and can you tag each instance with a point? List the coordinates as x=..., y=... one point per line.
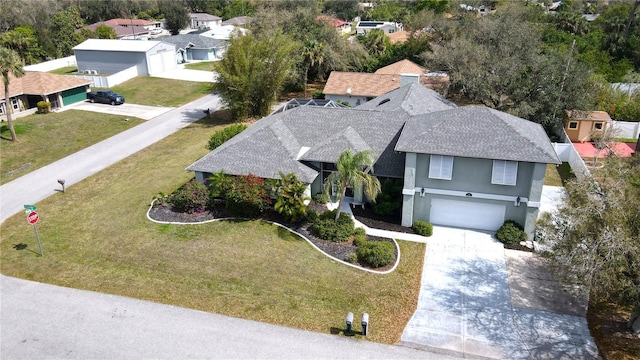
x=376, y=253
x=190, y=197
x=389, y=200
x=351, y=258
x=423, y=228
x=43, y=107
x=317, y=94
x=221, y=136
x=327, y=228
x=245, y=196
x=359, y=237
x=321, y=198
x=511, y=233
x=312, y=215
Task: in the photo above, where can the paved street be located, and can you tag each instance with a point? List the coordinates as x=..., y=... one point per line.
x=41, y=321
x=39, y=184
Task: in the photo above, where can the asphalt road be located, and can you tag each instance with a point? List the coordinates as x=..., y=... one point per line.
x=41, y=183
x=41, y=321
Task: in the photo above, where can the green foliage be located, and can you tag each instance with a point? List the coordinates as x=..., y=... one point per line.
x=317, y=94
x=593, y=236
x=245, y=196
x=252, y=72
x=191, y=197
x=43, y=107
x=321, y=198
x=23, y=40
x=352, y=258
x=389, y=200
x=341, y=9
x=221, y=136
x=350, y=172
x=290, y=200
x=511, y=233
x=376, y=253
x=327, y=228
x=175, y=14
x=63, y=29
x=359, y=237
x=423, y=228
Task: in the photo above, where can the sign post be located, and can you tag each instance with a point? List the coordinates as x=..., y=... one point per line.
x=32, y=218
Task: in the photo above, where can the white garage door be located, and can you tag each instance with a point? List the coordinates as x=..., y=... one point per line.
x=465, y=214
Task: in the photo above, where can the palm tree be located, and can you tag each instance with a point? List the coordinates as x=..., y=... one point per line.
x=10, y=63
x=313, y=54
x=352, y=172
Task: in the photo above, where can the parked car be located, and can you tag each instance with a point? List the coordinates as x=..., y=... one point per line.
x=105, y=97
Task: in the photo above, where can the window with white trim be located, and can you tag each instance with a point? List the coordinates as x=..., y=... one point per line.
x=14, y=104
x=441, y=167
x=504, y=172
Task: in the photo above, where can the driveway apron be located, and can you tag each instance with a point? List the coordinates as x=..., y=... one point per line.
x=464, y=306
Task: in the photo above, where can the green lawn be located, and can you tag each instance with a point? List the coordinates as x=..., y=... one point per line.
x=96, y=237
x=45, y=138
x=65, y=70
x=152, y=91
x=204, y=65
x=558, y=175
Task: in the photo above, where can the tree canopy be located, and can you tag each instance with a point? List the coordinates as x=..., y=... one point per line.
x=594, y=235
x=253, y=71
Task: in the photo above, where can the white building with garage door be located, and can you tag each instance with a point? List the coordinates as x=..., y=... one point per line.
x=107, y=57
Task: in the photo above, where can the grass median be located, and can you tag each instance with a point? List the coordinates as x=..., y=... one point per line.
x=96, y=237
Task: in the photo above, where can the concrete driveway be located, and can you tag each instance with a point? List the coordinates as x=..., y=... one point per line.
x=467, y=308
x=134, y=110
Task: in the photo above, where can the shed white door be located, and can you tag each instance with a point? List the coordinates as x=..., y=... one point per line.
x=161, y=62
x=467, y=214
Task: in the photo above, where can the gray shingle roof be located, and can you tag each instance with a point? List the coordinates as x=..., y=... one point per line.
x=185, y=41
x=477, y=132
x=285, y=141
x=413, y=99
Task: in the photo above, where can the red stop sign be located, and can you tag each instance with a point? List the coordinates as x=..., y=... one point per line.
x=33, y=217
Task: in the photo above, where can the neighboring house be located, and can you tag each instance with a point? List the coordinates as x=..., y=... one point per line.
x=461, y=166
x=129, y=27
x=26, y=91
x=358, y=88
x=241, y=21
x=191, y=47
x=204, y=21
x=341, y=26
x=107, y=57
x=363, y=27
x=222, y=32
x=579, y=125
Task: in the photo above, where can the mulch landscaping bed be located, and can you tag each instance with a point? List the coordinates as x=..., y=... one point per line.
x=164, y=213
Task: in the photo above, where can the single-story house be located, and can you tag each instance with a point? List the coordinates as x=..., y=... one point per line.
x=341, y=26
x=128, y=27
x=358, y=88
x=204, y=20
x=26, y=91
x=579, y=125
x=223, y=32
x=241, y=21
x=466, y=166
x=191, y=47
x=363, y=27
x=107, y=57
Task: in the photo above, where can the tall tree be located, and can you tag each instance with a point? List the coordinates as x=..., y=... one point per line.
x=10, y=63
x=342, y=9
x=352, y=171
x=253, y=71
x=594, y=234
x=63, y=29
x=20, y=39
x=312, y=54
x=175, y=12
